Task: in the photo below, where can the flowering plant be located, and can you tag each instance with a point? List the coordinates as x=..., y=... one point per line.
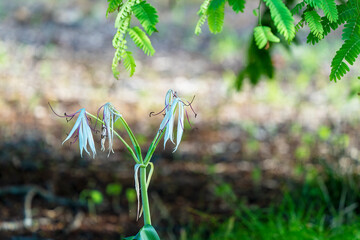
x=107, y=115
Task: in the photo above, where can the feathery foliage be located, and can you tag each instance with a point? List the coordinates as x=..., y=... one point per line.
x=330, y=10
x=263, y=36
x=141, y=40
x=351, y=27
x=129, y=62
x=147, y=16
x=349, y=51
x=113, y=6
x=313, y=19
x=314, y=3
x=216, y=13
x=322, y=16
x=203, y=16
x=237, y=5
x=298, y=7
x=282, y=18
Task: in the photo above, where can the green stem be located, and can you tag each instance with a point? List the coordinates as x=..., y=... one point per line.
x=122, y=140
x=144, y=196
x=133, y=139
x=153, y=146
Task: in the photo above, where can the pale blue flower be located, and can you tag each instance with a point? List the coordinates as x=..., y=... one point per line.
x=84, y=133
x=110, y=116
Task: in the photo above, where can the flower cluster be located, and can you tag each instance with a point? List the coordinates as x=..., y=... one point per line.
x=82, y=130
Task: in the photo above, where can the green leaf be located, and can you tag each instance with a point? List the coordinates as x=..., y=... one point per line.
x=263, y=35
x=129, y=63
x=314, y=21
x=216, y=15
x=113, y=6
x=96, y=196
x=237, y=5
x=114, y=189
x=141, y=40
x=298, y=7
x=314, y=3
x=330, y=10
x=147, y=232
x=349, y=51
x=147, y=16
x=351, y=27
x=282, y=18
x=203, y=16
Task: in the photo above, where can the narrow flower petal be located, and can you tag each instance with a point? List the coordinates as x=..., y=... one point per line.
x=137, y=188
x=180, y=126
x=84, y=133
x=76, y=126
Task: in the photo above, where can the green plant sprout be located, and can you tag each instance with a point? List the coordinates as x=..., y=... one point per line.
x=114, y=190
x=82, y=132
x=92, y=198
x=275, y=24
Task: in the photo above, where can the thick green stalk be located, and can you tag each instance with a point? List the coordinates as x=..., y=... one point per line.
x=144, y=196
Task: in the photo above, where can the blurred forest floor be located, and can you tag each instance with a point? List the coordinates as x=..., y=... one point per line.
x=249, y=146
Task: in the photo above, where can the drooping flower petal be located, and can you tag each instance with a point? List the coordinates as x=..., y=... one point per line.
x=137, y=188
x=84, y=133
x=180, y=126
x=110, y=116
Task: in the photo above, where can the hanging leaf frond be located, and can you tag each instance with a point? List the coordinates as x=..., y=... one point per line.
x=141, y=40
x=237, y=5
x=147, y=16
x=282, y=18
x=263, y=35
x=216, y=15
x=313, y=19
x=349, y=51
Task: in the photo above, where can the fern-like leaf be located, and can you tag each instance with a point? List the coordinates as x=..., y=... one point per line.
x=298, y=7
x=129, y=62
x=119, y=44
x=125, y=11
x=237, y=5
x=330, y=10
x=203, y=16
x=299, y=25
x=141, y=40
x=314, y=3
x=147, y=16
x=349, y=51
x=216, y=15
x=313, y=19
x=113, y=5
x=351, y=27
x=263, y=35
x=282, y=18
